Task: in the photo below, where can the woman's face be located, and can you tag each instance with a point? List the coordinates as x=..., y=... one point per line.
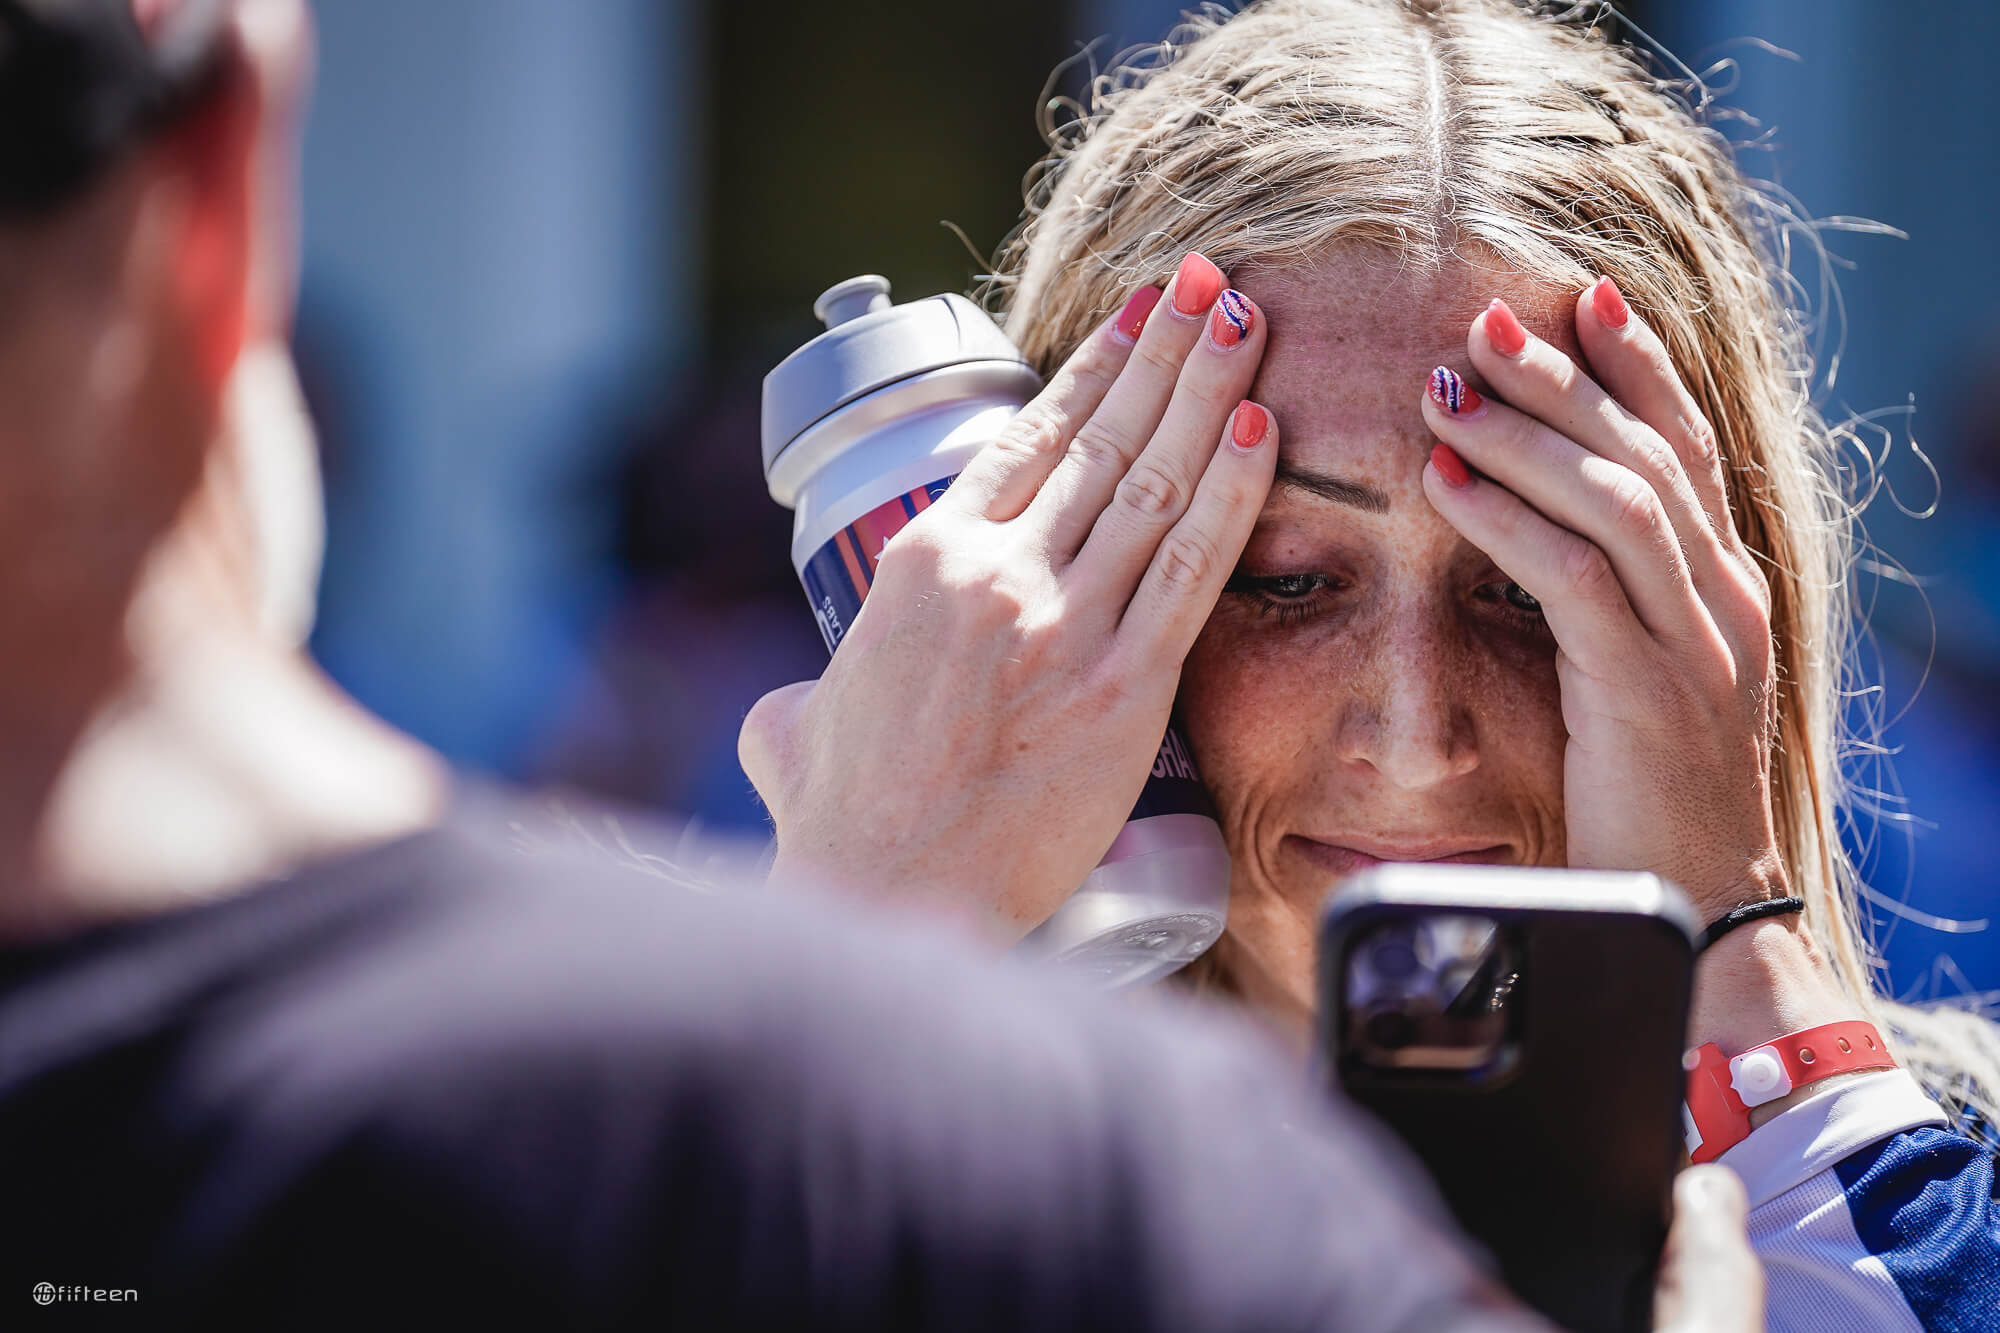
x=1371, y=687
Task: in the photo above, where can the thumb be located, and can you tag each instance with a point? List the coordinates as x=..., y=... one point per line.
x=769, y=738
x=1710, y=1280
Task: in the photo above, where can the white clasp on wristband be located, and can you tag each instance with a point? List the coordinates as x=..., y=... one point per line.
x=1721, y=1093
x=1759, y=1076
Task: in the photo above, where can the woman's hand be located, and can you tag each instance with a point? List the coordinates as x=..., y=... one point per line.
x=991, y=716
x=1602, y=495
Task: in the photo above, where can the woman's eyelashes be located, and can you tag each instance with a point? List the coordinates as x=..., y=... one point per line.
x=1293, y=598
x=1517, y=601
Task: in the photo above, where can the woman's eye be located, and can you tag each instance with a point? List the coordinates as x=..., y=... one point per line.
x=1521, y=604
x=1292, y=596
x=1291, y=585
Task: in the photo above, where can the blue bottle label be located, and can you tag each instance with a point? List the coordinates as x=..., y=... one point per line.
x=1173, y=787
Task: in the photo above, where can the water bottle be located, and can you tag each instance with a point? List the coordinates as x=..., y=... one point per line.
x=864, y=428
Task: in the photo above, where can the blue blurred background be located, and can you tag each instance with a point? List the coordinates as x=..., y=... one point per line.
x=552, y=246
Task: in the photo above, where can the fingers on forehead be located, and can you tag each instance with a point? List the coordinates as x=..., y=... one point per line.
x=1003, y=478
x=1633, y=365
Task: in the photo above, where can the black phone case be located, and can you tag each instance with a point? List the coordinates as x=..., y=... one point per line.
x=1561, y=1165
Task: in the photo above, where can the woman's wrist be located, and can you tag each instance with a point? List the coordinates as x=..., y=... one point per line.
x=1759, y=982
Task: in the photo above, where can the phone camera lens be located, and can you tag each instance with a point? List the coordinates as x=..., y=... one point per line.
x=1392, y=955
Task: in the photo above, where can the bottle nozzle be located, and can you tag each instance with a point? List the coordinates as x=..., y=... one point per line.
x=852, y=299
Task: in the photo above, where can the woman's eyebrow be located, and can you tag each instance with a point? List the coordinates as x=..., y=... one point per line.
x=1337, y=489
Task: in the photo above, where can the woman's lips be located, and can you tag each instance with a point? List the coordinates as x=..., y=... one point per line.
x=1353, y=854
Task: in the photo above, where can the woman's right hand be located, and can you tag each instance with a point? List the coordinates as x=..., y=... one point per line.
x=994, y=710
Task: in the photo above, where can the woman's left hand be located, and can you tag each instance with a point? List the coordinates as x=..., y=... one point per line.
x=1601, y=493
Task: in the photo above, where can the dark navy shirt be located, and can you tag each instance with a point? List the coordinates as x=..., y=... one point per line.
x=447, y=1083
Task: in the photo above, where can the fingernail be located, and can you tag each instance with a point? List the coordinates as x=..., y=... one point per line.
x=1251, y=425
x=1232, y=321
x=1450, y=466
x=1453, y=394
x=1609, y=303
x=1131, y=321
x=1503, y=330
x=1196, y=285
x=1703, y=1188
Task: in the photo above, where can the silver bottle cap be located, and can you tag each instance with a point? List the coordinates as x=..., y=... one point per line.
x=870, y=344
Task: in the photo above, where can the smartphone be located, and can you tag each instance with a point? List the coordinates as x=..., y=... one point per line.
x=1522, y=1030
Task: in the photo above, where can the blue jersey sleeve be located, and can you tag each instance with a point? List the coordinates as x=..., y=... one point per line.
x=1922, y=1204
x=1872, y=1216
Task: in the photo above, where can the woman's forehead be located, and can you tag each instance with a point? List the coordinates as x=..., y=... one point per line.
x=1353, y=340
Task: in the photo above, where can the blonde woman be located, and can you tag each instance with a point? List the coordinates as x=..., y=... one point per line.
x=1425, y=425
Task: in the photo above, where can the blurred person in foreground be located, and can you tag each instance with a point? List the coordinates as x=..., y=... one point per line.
x=1427, y=428
x=290, y=1038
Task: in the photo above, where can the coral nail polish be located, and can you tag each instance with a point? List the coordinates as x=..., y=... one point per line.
x=1251, y=425
x=1233, y=320
x=1609, y=303
x=1453, y=394
x=1196, y=285
x=1131, y=321
x=1503, y=330
x=1450, y=466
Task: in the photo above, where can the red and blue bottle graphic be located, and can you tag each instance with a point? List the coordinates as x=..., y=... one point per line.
x=838, y=576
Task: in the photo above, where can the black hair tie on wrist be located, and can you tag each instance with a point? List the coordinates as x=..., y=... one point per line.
x=1744, y=915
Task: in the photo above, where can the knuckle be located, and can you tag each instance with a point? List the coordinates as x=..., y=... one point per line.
x=1759, y=584
x=1096, y=360
x=988, y=599
x=1210, y=392
x=1702, y=446
x=1185, y=561
x=1236, y=495
x=1033, y=433
x=1758, y=663
x=1653, y=457
x=1529, y=436
x=1746, y=598
x=1635, y=507
x=1158, y=359
x=919, y=545
x=1584, y=570
x=1040, y=636
x=1151, y=492
x=1658, y=362
x=1098, y=448
x=1561, y=373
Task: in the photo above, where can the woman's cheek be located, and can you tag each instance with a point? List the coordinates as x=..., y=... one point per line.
x=1239, y=705
x=1516, y=704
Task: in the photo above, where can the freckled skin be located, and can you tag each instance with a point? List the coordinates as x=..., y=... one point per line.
x=1408, y=700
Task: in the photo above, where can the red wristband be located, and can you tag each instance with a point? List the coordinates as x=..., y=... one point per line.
x=1721, y=1091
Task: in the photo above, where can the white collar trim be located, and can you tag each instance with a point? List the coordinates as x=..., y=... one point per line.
x=1820, y=1131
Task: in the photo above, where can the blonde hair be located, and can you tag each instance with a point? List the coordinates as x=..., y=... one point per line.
x=1439, y=129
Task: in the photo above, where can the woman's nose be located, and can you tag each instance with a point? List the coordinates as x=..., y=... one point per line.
x=1407, y=715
